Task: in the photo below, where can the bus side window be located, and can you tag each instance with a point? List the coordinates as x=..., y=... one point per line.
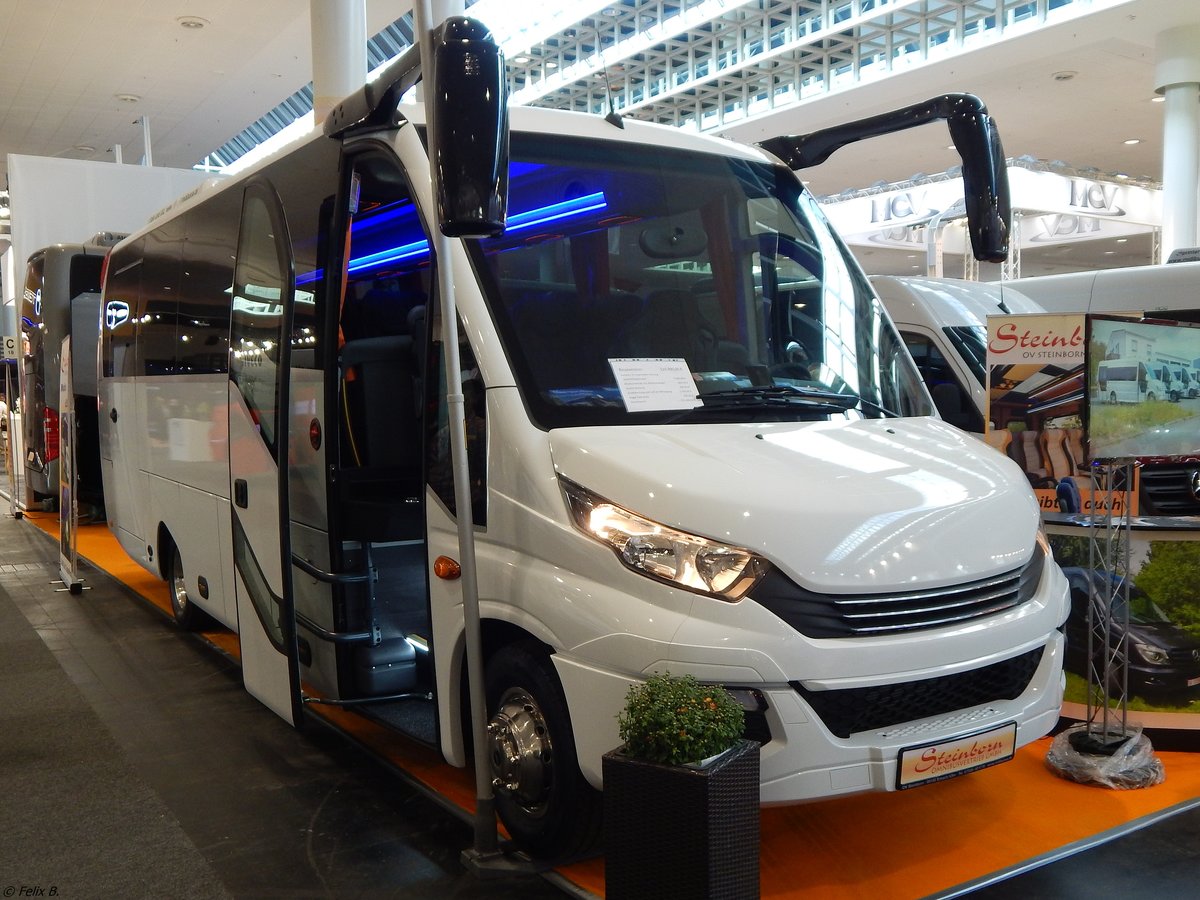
x=952, y=402
x=388, y=272
x=381, y=322
x=158, y=337
x=256, y=334
x=438, y=462
x=122, y=311
x=204, y=291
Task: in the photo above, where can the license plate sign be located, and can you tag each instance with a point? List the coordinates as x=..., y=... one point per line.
x=927, y=763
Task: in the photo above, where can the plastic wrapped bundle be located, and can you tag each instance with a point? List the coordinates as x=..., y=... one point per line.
x=1130, y=764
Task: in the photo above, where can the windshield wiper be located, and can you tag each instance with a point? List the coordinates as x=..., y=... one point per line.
x=789, y=393
x=781, y=394
x=777, y=397
x=875, y=407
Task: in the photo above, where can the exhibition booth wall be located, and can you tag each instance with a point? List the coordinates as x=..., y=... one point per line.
x=1094, y=409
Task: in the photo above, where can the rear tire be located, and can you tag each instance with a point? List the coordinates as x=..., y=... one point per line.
x=188, y=616
x=543, y=799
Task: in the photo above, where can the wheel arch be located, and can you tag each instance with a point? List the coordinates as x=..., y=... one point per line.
x=494, y=634
x=164, y=544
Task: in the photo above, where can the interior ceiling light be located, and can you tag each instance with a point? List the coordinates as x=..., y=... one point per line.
x=127, y=98
x=1133, y=141
x=191, y=22
x=1064, y=75
x=84, y=148
x=1158, y=99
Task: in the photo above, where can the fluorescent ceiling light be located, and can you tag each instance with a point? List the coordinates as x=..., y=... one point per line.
x=520, y=27
x=638, y=42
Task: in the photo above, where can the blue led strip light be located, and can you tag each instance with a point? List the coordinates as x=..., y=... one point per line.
x=555, y=212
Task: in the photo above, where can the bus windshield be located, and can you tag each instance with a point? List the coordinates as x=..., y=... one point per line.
x=616, y=251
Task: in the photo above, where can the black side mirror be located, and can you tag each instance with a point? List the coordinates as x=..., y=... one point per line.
x=469, y=99
x=985, y=178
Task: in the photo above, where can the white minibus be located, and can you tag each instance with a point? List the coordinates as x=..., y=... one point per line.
x=943, y=322
x=1176, y=377
x=1128, y=380
x=697, y=445
x=1157, y=291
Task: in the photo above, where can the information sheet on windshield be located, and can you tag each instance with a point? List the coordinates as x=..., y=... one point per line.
x=648, y=384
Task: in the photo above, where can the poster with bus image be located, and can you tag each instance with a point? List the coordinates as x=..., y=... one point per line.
x=1063, y=395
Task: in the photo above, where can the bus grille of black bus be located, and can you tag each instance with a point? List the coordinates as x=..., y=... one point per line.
x=849, y=711
x=1167, y=490
x=864, y=615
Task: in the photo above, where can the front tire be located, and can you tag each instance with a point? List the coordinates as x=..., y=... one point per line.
x=543, y=799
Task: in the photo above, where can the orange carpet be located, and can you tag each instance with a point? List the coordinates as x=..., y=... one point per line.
x=97, y=545
x=900, y=845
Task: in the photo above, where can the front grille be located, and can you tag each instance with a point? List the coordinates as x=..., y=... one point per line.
x=1183, y=657
x=1166, y=489
x=862, y=615
x=852, y=710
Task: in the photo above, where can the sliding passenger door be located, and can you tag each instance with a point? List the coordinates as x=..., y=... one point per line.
x=264, y=283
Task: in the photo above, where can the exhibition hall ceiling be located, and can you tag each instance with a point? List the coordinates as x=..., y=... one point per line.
x=77, y=78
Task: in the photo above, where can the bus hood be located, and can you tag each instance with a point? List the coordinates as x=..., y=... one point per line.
x=872, y=505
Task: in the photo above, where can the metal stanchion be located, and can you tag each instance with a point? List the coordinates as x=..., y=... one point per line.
x=1106, y=750
x=7, y=443
x=1108, y=614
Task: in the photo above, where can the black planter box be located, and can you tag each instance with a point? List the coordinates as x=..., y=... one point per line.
x=682, y=832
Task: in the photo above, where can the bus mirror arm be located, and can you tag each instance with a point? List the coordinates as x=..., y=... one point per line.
x=985, y=178
x=374, y=104
x=469, y=88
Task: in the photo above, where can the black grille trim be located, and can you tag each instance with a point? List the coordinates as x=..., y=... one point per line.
x=864, y=615
x=849, y=711
x=1166, y=489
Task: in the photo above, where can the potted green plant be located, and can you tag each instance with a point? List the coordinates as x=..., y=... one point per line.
x=681, y=795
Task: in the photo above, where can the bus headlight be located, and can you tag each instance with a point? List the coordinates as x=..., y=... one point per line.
x=664, y=553
x=1044, y=541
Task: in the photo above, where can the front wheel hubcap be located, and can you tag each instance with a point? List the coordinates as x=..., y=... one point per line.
x=521, y=753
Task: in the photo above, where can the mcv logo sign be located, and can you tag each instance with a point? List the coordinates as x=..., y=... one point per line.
x=905, y=205
x=1095, y=199
x=1062, y=227
x=116, y=313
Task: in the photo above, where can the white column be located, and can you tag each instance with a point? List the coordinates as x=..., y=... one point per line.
x=339, y=51
x=1177, y=78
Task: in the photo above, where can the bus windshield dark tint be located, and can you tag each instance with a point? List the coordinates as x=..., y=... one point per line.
x=619, y=252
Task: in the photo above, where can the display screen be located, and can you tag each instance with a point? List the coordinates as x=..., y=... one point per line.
x=1143, y=379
